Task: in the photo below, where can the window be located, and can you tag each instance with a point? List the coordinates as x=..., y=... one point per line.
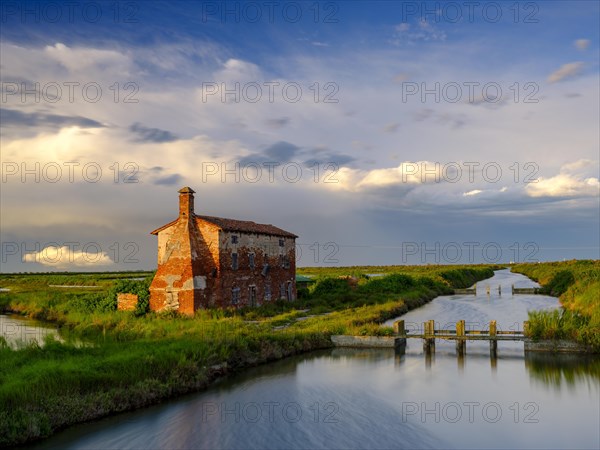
x=282, y=290
x=286, y=262
x=235, y=296
x=252, y=295
x=265, y=270
x=280, y=260
x=234, y=261
x=234, y=239
x=281, y=242
x=251, y=260
x=289, y=293
x=267, y=292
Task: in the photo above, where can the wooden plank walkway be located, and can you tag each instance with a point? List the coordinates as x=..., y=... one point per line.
x=489, y=289
x=461, y=335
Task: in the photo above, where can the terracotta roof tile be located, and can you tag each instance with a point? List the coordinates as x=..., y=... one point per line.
x=243, y=226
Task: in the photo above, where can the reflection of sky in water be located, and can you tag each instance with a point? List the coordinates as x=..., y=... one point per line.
x=19, y=332
x=376, y=398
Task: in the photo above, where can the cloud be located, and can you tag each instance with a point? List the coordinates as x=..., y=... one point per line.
x=169, y=180
x=278, y=123
x=67, y=257
x=13, y=117
x=568, y=70
x=582, y=44
x=424, y=31
x=85, y=59
x=391, y=127
x=455, y=120
x=573, y=180
x=280, y=152
x=145, y=134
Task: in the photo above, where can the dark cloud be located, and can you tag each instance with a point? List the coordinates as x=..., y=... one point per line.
x=145, y=134
x=324, y=155
x=280, y=152
x=279, y=122
x=338, y=159
x=13, y=117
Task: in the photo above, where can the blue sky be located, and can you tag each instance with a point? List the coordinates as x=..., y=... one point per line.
x=500, y=156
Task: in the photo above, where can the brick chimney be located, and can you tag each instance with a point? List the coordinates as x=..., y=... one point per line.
x=186, y=202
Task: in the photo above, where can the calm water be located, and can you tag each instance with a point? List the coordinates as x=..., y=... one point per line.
x=19, y=332
x=346, y=398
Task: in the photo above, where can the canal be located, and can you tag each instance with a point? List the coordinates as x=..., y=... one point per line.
x=378, y=398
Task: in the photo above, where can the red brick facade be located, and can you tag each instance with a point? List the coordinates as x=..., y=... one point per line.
x=208, y=261
x=126, y=302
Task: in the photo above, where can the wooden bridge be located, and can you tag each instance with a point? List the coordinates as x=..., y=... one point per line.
x=489, y=289
x=461, y=335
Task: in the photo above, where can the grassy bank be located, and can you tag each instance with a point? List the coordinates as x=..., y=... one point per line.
x=577, y=284
x=132, y=360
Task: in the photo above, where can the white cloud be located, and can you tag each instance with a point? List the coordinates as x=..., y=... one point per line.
x=473, y=192
x=574, y=180
x=82, y=59
x=582, y=44
x=568, y=70
x=67, y=257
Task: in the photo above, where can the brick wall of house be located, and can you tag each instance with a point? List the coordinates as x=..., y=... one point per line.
x=281, y=261
x=196, y=263
x=127, y=302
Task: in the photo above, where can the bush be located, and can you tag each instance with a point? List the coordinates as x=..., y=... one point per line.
x=560, y=282
x=327, y=287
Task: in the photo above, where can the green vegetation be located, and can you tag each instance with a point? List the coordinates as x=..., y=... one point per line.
x=130, y=360
x=577, y=284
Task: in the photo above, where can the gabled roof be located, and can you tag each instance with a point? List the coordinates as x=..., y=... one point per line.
x=242, y=226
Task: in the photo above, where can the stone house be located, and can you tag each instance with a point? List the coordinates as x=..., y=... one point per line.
x=206, y=261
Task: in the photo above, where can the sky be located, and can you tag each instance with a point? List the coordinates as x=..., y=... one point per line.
x=379, y=132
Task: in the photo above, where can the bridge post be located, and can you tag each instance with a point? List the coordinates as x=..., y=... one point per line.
x=493, y=340
x=512, y=290
x=399, y=327
x=429, y=330
x=487, y=290
x=461, y=344
x=500, y=290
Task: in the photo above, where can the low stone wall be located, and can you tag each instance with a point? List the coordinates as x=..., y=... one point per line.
x=558, y=346
x=126, y=302
x=367, y=341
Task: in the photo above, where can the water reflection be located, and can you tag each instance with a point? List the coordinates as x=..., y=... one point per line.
x=562, y=370
x=19, y=332
x=380, y=398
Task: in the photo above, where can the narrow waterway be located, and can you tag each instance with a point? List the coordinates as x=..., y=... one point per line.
x=346, y=398
x=19, y=332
